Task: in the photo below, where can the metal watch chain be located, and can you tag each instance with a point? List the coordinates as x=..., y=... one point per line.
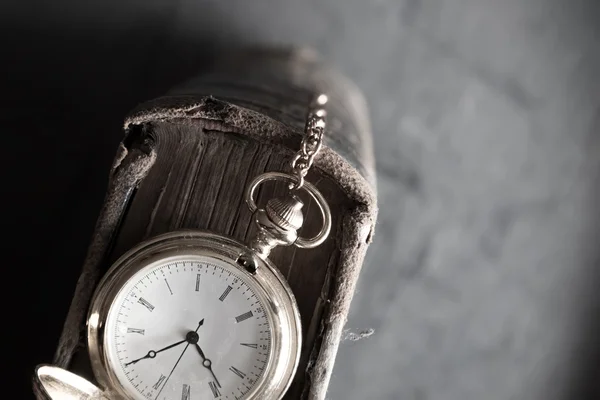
x=312, y=140
x=278, y=223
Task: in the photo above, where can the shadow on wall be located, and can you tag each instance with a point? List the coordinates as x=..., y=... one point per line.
x=583, y=359
x=66, y=88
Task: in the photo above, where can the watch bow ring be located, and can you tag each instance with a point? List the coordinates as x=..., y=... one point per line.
x=283, y=209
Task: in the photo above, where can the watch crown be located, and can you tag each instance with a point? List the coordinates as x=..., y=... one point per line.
x=286, y=212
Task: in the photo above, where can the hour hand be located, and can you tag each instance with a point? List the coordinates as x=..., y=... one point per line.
x=206, y=363
x=153, y=353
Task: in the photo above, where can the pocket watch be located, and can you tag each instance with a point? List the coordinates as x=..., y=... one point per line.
x=196, y=315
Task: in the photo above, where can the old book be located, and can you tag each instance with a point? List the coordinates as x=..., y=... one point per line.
x=186, y=160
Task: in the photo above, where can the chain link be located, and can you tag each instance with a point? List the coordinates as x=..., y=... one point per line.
x=311, y=142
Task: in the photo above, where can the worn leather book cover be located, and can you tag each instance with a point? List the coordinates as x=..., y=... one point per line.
x=186, y=160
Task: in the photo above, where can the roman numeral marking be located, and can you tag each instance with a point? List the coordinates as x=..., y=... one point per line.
x=237, y=372
x=159, y=382
x=169, y=286
x=243, y=317
x=197, y=282
x=251, y=345
x=185, y=392
x=145, y=303
x=215, y=389
x=136, y=330
x=225, y=293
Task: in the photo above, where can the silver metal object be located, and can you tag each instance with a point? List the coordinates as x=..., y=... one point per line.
x=281, y=229
x=58, y=383
x=270, y=285
x=312, y=141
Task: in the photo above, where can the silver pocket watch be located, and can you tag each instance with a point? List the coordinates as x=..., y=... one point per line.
x=196, y=315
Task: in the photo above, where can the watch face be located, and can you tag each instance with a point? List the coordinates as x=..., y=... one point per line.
x=172, y=321
x=188, y=329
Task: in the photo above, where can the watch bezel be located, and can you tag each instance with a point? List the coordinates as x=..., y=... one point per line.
x=280, y=306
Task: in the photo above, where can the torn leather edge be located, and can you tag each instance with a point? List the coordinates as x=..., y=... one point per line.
x=257, y=126
x=356, y=234
x=129, y=168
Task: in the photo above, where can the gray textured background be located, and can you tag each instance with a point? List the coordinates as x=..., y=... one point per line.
x=481, y=282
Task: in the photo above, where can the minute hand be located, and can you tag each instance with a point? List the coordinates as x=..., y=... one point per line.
x=152, y=353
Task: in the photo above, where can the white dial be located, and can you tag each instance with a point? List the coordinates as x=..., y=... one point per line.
x=192, y=328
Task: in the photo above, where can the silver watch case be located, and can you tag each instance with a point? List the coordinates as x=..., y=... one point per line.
x=280, y=304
